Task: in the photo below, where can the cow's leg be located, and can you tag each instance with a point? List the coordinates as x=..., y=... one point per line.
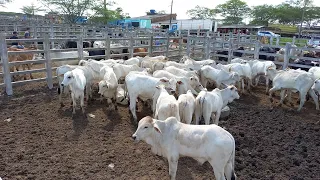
x=282, y=97
x=173, y=166
x=270, y=95
x=218, y=113
x=133, y=104
x=82, y=102
x=218, y=169
x=73, y=103
x=267, y=84
x=29, y=68
x=314, y=97
x=302, y=99
x=206, y=116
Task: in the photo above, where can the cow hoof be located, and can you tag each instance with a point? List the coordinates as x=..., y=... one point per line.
x=61, y=105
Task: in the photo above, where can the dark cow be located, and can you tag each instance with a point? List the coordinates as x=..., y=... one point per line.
x=267, y=50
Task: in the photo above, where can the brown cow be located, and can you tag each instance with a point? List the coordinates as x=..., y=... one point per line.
x=140, y=51
x=21, y=57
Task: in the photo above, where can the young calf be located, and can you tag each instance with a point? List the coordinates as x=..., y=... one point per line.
x=166, y=106
x=172, y=139
x=76, y=81
x=186, y=107
x=208, y=103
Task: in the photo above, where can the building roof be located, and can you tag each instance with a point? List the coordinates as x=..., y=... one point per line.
x=151, y=16
x=168, y=22
x=240, y=26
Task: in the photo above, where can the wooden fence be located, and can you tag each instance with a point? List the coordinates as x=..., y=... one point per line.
x=199, y=47
x=48, y=48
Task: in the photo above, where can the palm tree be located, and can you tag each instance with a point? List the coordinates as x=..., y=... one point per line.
x=31, y=10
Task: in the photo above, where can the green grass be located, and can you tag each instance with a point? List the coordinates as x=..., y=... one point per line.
x=285, y=28
x=284, y=40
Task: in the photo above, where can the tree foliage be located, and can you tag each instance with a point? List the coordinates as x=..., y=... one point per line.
x=103, y=12
x=3, y=2
x=234, y=11
x=71, y=9
x=201, y=13
x=32, y=9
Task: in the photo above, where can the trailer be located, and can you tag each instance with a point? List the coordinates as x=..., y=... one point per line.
x=187, y=24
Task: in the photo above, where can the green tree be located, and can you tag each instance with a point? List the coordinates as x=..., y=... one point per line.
x=234, y=11
x=71, y=9
x=263, y=15
x=31, y=10
x=103, y=14
x=201, y=13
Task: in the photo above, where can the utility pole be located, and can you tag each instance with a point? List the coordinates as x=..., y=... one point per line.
x=302, y=18
x=170, y=15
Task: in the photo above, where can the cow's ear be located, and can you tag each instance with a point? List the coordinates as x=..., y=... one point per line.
x=156, y=127
x=180, y=82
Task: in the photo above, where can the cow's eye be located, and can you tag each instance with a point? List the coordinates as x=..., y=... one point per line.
x=146, y=127
x=69, y=77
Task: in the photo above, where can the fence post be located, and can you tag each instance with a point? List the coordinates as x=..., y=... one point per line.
x=293, y=40
x=46, y=47
x=107, y=48
x=286, y=56
x=52, y=34
x=131, y=46
x=80, y=47
x=230, y=51
x=278, y=40
x=167, y=45
x=150, y=44
x=5, y=64
x=188, y=45
x=180, y=45
x=256, y=50
x=207, y=46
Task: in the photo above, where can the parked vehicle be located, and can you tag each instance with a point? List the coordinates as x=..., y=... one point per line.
x=268, y=34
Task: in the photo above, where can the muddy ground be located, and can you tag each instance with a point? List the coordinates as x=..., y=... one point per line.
x=44, y=142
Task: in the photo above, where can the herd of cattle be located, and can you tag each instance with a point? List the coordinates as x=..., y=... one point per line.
x=178, y=95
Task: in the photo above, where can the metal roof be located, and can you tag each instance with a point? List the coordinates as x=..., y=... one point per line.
x=240, y=26
x=150, y=16
x=167, y=22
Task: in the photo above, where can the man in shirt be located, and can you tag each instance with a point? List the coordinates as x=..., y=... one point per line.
x=27, y=33
x=15, y=36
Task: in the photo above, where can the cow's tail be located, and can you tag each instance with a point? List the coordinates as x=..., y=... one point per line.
x=232, y=159
x=174, y=109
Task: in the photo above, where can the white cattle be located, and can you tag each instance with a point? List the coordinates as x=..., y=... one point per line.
x=244, y=71
x=186, y=107
x=144, y=87
x=172, y=139
x=259, y=68
x=315, y=71
x=292, y=80
x=109, y=85
x=196, y=65
x=64, y=55
x=132, y=61
x=183, y=83
x=181, y=72
x=316, y=86
x=167, y=105
x=208, y=103
x=218, y=76
x=60, y=71
x=175, y=64
x=76, y=81
x=122, y=70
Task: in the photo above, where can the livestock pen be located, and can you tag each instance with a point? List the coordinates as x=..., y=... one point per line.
x=40, y=140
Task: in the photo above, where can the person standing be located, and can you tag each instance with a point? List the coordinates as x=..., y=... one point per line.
x=15, y=36
x=27, y=33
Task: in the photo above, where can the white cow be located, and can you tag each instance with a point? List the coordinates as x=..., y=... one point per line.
x=208, y=103
x=109, y=85
x=167, y=105
x=60, y=71
x=172, y=139
x=183, y=83
x=132, y=61
x=175, y=64
x=218, y=76
x=76, y=81
x=315, y=71
x=144, y=87
x=181, y=72
x=292, y=80
x=122, y=70
x=186, y=107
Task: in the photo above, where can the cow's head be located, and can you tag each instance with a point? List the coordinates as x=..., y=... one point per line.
x=146, y=127
x=67, y=78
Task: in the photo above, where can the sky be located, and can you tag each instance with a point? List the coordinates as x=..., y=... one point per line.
x=137, y=8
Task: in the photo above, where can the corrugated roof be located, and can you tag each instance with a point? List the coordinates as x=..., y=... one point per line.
x=150, y=16
x=239, y=26
x=167, y=22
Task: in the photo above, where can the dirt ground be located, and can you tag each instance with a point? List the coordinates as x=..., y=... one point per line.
x=44, y=142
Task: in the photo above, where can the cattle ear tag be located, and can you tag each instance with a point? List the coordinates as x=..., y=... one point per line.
x=156, y=127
